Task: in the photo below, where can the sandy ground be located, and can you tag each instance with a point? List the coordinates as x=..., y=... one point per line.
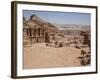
x=41, y=56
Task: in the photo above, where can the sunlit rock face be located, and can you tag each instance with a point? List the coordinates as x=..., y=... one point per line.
x=36, y=29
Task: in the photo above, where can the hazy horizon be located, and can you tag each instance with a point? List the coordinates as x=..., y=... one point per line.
x=60, y=17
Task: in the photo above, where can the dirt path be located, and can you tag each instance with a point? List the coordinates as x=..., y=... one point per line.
x=41, y=56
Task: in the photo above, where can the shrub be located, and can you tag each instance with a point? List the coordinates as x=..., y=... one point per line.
x=83, y=52
x=86, y=39
x=60, y=44
x=85, y=58
x=46, y=44
x=56, y=43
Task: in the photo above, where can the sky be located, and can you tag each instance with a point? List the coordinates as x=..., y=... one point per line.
x=60, y=17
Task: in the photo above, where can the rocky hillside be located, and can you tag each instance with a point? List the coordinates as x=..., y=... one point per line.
x=36, y=21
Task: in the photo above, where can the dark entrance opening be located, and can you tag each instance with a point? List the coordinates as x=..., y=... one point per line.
x=37, y=40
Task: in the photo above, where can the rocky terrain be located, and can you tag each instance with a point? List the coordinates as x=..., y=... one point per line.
x=55, y=45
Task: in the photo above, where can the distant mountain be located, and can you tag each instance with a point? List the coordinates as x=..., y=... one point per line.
x=72, y=26
x=36, y=21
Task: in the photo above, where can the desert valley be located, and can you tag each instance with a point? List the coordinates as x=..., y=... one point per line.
x=48, y=45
